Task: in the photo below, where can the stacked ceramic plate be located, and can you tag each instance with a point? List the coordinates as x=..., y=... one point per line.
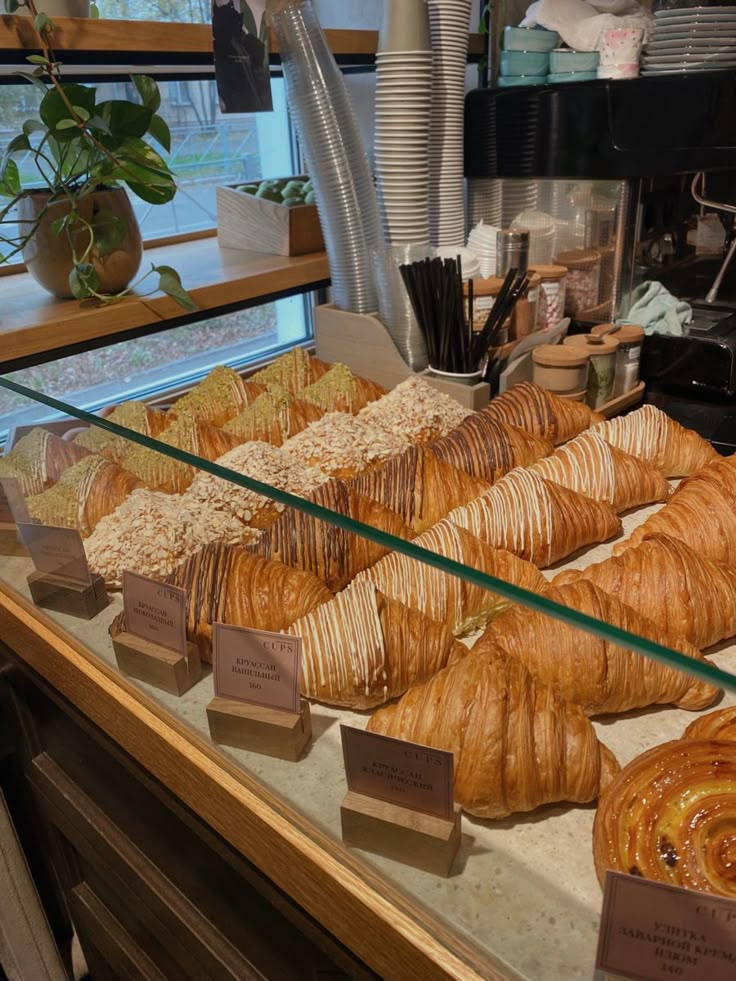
x=691, y=39
x=403, y=104
x=485, y=198
x=482, y=242
x=449, y=23
x=518, y=195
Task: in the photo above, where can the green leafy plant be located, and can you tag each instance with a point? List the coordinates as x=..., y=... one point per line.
x=79, y=145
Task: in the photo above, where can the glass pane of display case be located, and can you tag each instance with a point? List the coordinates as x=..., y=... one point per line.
x=456, y=580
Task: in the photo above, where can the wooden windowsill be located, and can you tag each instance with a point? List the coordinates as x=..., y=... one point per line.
x=158, y=37
x=33, y=322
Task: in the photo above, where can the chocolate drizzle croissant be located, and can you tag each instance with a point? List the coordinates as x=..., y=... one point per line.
x=538, y=411
x=487, y=448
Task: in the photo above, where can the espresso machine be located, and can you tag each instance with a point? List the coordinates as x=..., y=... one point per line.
x=624, y=168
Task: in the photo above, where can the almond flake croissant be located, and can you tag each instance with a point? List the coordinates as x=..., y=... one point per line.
x=516, y=743
x=363, y=649
x=217, y=398
x=592, y=672
x=419, y=486
x=536, y=519
x=591, y=466
x=670, y=816
x=538, y=411
x=442, y=596
x=487, y=448
x=38, y=460
x=130, y=415
x=83, y=495
x=333, y=554
x=272, y=418
x=226, y=584
x=668, y=582
x=653, y=436
x=701, y=513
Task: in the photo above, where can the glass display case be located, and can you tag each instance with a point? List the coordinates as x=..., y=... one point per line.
x=451, y=584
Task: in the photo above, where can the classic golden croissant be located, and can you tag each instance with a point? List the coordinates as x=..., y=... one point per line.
x=670, y=816
x=217, y=398
x=444, y=597
x=363, y=649
x=38, y=459
x=701, y=513
x=540, y=412
x=272, y=418
x=535, y=518
x=293, y=371
x=487, y=448
x=516, y=743
x=333, y=554
x=592, y=672
x=339, y=390
x=720, y=724
x=83, y=495
x=226, y=584
x=591, y=466
x=130, y=415
x=159, y=471
x=668, y=582
x=653, y=436
x=419, y=486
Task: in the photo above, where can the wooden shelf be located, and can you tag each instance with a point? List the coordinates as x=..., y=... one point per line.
x=33, y=322
x=119, y=39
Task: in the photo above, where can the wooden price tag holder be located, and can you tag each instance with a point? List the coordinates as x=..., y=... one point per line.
x=421, y=840
x=399, y=801
x=12, y=509
x=260, y=728
x=10, y=544
x=77, y=599
x=158, y=666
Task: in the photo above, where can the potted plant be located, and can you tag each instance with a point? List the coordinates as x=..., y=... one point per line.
x=76, y=229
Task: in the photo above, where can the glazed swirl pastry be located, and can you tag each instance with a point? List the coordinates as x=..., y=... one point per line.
x=720, y=724
x=670, y=815
x=590, y=466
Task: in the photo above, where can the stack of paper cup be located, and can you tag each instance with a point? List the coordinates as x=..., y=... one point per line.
x=449, y=23
x=403, y=104
x=620, y=48
x=485, y=201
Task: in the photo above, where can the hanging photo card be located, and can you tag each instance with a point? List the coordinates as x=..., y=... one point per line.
x=240, y=45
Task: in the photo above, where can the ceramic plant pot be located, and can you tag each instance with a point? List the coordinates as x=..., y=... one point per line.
x=48, y=256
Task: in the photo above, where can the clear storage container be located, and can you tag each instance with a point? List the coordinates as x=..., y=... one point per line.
x=583, y=279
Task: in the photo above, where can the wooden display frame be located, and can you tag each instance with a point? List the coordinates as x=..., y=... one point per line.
x=10, y=544
x=421, y=840
x=76, y=599
x=157, y=666
x=260, y=728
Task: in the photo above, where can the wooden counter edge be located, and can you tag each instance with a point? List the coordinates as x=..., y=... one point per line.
x=372, y=919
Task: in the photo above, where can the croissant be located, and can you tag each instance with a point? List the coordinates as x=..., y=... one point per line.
x=159, y=471
x=720, y=725
x=415, y=411
x=653, y=436
x=487, y=448
x=339, y=390
x=131, y=415
x=516, y=744
x=363, y=649
x=685, y=594
x=226, y=584
x=590, y=466
x=217, y=398
x=701, y=513
x=334, y=555
x=540, y=412
x=38, y=459
x=592, y=672
x=272, y=418
x=669, y=816
x=536, y=519
x=83, y=495
x=293, y=371
x=442, y=596
x=342, y=445
x=419, y=486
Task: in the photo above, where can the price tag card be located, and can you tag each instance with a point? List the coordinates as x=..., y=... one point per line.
x=56, y=551
x=257, y=666
x=155, y=611
x=12, y=503
x=399, y=772
x=651, y=931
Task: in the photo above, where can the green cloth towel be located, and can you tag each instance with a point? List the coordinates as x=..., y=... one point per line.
x=657, y=310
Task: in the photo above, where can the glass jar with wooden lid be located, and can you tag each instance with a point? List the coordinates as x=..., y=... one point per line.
x=630, y=338
x=601, y=353
x=583, y=279
x=552, y=285
x=561, y=369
